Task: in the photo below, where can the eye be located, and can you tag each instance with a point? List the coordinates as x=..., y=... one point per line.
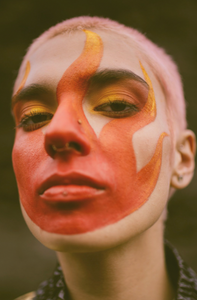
x=34, y=120
x=117, y=109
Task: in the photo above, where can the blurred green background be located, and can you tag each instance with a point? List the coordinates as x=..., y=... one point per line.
x=171, y=24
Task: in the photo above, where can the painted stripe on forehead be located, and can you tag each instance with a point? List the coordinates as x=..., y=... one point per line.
x=27, y=70
x=75, y=78
x=150, y=107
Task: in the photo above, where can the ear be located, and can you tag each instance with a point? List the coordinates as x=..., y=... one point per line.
x=184, y=162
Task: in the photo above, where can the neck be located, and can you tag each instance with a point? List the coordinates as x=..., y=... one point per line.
x=129, y=271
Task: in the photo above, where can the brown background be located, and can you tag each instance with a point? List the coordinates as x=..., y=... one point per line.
x=173, y=25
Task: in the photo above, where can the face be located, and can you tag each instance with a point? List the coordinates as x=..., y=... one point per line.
x=92, y=146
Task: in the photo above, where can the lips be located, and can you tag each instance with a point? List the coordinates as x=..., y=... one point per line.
x=70, y=187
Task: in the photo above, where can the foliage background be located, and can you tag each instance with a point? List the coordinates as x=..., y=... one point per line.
x=171, y=24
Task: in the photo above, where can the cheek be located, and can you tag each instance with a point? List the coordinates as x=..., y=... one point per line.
x=27, y=155
x=116, y=143
x=145, y=141
x=133, y=186
x=96, y=122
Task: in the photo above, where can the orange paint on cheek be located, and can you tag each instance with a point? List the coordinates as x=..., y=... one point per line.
x=28, y=163
x=28, y=155
x=112, y=156
x=137, y=186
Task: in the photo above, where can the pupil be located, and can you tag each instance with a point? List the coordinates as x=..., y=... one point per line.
x=39, y=118
x=117, y=106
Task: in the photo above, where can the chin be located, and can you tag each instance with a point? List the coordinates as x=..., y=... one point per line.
x=127, y=229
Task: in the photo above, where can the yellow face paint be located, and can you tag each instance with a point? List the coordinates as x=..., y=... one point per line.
x=27, y=70
x=138, y=186
x=75, y=79
x=150, y=107
x=111, y=154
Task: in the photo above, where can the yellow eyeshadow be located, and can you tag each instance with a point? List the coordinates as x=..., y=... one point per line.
x=37, y=110
x=108, y=99
x=34, y=111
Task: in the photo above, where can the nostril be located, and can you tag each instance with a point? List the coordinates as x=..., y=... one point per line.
x=66, y=139
x=70, y=146
x=75, y=146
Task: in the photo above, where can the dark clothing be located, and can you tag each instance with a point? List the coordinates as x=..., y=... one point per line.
x=183, y=278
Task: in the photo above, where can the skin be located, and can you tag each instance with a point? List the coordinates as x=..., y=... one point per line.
x=105, y=234
x=53, y=210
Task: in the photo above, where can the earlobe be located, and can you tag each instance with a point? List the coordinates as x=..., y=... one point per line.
x=184, y=162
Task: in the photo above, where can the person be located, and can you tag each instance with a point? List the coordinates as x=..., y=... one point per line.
x=101, y=145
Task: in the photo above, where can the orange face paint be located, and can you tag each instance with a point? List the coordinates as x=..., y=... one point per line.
x=74, y=83
x=75, y=78
x=133, y=189
x=110, y=159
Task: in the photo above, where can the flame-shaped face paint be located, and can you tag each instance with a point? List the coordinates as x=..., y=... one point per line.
x=74, y=83
x=27, y=70
x=111, y=159
x=138, y=185
x=75, y=78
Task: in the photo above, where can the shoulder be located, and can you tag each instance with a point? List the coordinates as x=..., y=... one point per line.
x=28, y=296
x=182, y=277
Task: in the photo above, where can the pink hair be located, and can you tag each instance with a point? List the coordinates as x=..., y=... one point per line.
x=161, y=64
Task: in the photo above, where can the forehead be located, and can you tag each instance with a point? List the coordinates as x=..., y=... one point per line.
x=52, y=58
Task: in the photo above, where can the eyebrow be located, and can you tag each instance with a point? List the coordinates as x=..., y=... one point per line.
x=102, y=78
x=107, y=76
x=30, y=92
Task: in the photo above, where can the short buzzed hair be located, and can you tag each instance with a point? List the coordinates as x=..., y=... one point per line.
x=161, y=64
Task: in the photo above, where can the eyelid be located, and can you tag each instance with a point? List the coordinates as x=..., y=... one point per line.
x=35, y=110
x=115, y=96
x=112, y=98
x=26, y=117
x=24, y=107
x=26, y=111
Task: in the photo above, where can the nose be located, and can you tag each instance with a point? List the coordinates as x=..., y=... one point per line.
x=65, y=133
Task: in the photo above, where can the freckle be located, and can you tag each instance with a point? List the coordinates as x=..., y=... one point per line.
x=64, y=193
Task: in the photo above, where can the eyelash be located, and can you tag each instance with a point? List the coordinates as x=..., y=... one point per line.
x=34, y=126
x=100, y=108
x=117, y=114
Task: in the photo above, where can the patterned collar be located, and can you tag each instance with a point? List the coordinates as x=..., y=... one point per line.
x=183, y=278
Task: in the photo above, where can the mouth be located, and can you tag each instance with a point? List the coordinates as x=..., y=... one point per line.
x=73, y=187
